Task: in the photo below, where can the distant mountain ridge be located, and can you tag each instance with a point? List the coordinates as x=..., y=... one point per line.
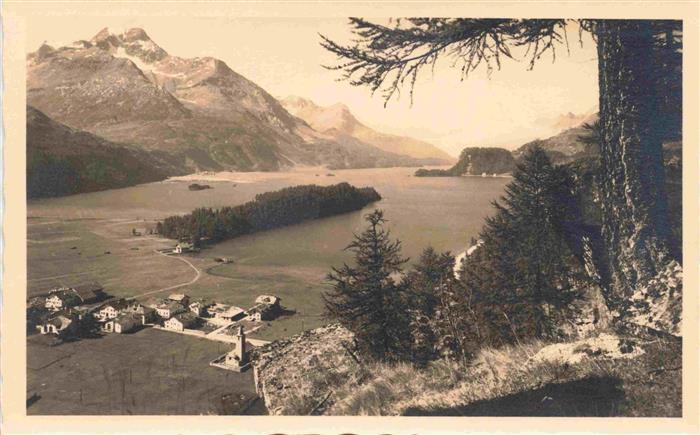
x=125, y=88
x=338, y=121
x=564, y=147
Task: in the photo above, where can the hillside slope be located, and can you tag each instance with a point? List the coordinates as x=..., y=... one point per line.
x=338, y=121
x=125, y=88
x=565, y=146
x=608, y=373
x=64, y=161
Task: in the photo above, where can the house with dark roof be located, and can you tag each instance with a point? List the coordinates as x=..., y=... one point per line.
x=262, y=312
x=147, y=314
x=62, y=298
x=60, y=324
x=267, y=308
x=90, y=293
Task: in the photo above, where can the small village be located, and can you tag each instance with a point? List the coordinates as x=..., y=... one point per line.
x=70, y=313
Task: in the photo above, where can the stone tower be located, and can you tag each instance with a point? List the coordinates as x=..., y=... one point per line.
x=240, y=345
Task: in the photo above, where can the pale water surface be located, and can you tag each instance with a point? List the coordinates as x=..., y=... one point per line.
x=444, y=212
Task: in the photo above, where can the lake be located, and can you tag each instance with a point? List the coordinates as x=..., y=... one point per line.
x=443, y=212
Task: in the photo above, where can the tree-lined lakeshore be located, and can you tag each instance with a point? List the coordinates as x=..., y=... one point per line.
x=267, y=211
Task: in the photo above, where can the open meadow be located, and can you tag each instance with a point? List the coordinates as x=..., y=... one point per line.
x=147, y=372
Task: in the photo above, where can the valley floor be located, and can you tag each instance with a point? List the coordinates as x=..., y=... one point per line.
x=147, y=372
x=150, y=371
x=69, y=252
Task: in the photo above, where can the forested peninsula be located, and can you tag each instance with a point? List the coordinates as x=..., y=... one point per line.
x=267, y=211
x=475, y=161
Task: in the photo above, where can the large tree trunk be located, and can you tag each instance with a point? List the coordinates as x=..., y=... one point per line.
x=635, y=225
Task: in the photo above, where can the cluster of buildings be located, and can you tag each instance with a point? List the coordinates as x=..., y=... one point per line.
x=67, y=297
x=64, y=308
x=179, y=312
x=61, y=311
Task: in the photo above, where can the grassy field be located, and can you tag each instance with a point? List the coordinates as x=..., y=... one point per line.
x=69, y=252
x=75, y=251
x=149, y=372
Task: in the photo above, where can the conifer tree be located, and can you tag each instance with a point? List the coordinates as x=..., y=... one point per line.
x=527, y=274
x=366, y=298
x=424, y=285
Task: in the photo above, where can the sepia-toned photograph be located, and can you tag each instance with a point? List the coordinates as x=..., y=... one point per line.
x=354, y=216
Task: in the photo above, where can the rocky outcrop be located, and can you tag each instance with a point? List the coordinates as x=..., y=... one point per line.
x=297, y=376
x=601, y=347
x=476, y=161
x=658, y=305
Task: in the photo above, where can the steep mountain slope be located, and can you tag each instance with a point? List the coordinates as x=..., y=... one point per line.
x=125, y=88
x=337, y=120
x=565, y=146
x=64, y=161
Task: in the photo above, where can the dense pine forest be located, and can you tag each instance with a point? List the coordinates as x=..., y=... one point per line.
x=267, y=211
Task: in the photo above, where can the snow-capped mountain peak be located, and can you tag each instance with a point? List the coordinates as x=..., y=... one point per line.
x=134, y=43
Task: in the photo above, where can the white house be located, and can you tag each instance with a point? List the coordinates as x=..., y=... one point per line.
x=167, y=309
x=180, y=322
x=123, y=323
x=199, y=307
x=182, y=247
x=111, y=310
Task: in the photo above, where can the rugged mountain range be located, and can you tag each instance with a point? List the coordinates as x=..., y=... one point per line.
x=338, y=122
x=62, y=161
x=564, y=121
x=124, y=88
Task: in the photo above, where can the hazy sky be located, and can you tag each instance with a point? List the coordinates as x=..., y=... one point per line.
x=283, y=56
